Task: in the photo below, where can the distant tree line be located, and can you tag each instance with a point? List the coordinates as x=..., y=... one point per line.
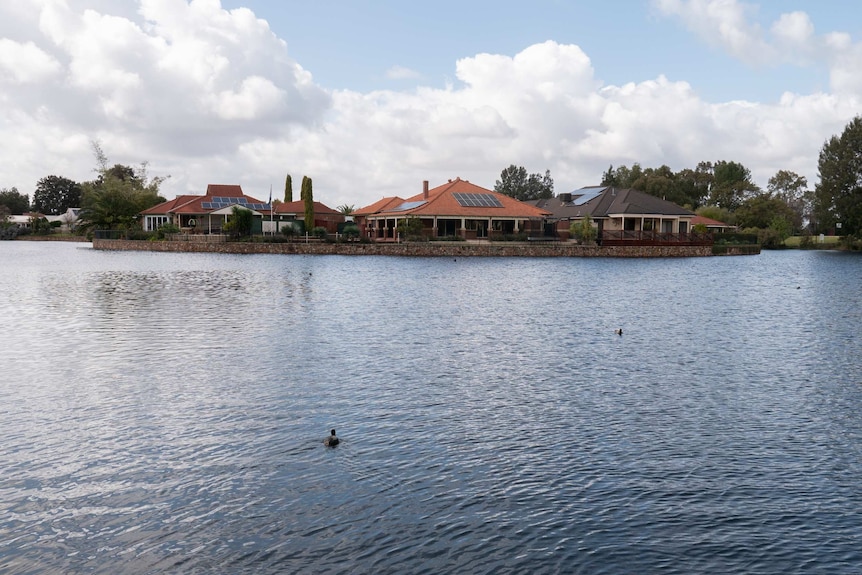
x=515, y=182
x=113, y=200
x=725, y=191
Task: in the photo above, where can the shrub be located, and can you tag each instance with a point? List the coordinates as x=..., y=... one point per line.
x=167, y=229
x=583, y=230
x=134, y=234
x=350, y=232
x=320, y=232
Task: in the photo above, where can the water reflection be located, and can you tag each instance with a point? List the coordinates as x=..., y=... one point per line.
x=165, y=412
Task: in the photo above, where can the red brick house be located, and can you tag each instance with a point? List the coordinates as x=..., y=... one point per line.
x=208, y=213
x=457, y=208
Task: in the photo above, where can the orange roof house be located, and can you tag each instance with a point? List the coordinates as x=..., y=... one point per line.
x=286, y=213
x=208, y=213
x=712, y=225
x=458, y=208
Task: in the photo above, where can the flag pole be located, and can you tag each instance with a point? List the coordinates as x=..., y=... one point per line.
x=271, y=229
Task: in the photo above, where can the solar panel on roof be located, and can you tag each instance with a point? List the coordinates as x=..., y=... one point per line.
x=586, y=195
x=477, y=200
x=404, y=206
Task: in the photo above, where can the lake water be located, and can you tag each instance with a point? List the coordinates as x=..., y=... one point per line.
x=166, y=413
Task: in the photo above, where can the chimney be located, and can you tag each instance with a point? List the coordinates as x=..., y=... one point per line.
x=425, y=189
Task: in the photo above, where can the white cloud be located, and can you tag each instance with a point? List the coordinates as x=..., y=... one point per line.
x=791, y=38
x=402, y=73
x=212, y=96
x=725, y=23
x=26, y=63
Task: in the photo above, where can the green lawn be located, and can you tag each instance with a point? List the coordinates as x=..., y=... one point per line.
x=793, y=241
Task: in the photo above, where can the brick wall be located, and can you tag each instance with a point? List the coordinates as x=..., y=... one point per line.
x=424, y=249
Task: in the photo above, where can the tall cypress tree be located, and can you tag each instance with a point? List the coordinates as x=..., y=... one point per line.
x=288, y=189
x=308, y=198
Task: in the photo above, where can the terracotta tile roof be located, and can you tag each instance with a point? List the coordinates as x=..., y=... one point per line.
x=225, y=191
x=379, y=206
x=170, y=205
x=298, y=207
x=192, y=204
x=709, y=222
x=441, y=202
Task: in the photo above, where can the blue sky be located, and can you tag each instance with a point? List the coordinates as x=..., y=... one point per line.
x=370, y=98
x=352, y=44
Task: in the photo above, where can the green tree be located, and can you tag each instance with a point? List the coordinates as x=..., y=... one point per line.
x=346, y=210
x=838, y=195
x=410, y=228
x=583, y=230
x=609, y=178
x=288, y=189
x=16, y=202
x=56, y=194
x=782, y=227
x=240, y=222
x=792, y=189
x=40, y=226
x=732, y=184
x=516, y=183
x=760, y=211
x=118, y=195
x=622, y=176
x=717, y=214
x=308, y=202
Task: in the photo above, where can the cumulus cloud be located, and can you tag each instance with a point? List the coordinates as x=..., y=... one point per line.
x=210, y=95
x=25, y=63
x=174, y=79
x=725, y=23
x=732, y=25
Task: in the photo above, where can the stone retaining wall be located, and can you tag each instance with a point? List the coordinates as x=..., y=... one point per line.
x=423, y=249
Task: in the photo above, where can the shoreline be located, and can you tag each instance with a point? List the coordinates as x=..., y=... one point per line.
x=425, y=249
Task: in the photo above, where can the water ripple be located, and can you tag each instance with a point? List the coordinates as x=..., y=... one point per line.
x=165, y=413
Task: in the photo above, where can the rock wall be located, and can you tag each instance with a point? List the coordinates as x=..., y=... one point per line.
x=418, y=249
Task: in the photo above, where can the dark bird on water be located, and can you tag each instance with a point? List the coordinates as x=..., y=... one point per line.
x=332, y=440
x=618, y=331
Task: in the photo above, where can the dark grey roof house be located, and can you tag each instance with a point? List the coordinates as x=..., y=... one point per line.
x=625, y=213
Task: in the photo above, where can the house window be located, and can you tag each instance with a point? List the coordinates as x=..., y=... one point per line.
x=153, y=223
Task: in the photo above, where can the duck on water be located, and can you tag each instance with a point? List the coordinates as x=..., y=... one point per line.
x=332, y=440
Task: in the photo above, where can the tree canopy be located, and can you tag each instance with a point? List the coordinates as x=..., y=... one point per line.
x=240, y=222
x=723, y=184
x=118, y=195
x=515, y=182
x=838, y=195
x=17, y=202
x=56, y=194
